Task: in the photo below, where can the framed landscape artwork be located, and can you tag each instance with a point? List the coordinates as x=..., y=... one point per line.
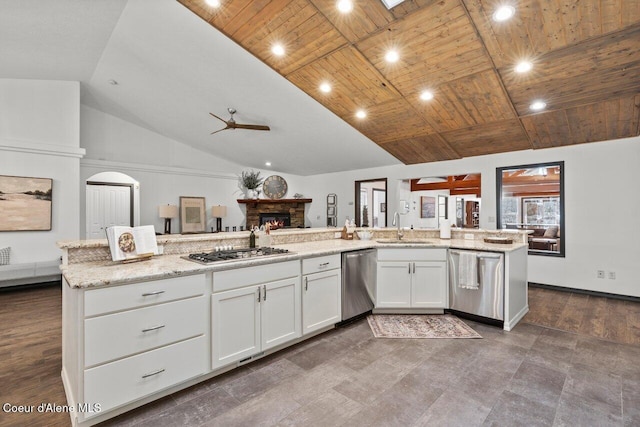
x=193, y=216
x=25, y=203
x=427, y=207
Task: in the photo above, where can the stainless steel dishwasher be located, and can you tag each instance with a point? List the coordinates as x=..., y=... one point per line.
x=358, y=281
x=487, y=299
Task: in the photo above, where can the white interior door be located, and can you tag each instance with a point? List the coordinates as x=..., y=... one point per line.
x=107, y=205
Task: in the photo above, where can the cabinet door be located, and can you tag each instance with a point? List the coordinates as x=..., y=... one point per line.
x=321, y=300
x=235, y=329
x=393, y=285
x=429, y=285
x=280, y=312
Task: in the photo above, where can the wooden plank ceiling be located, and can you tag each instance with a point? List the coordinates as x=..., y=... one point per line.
x=585, y=56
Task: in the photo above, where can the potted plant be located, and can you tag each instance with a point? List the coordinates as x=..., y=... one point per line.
x=251, y=181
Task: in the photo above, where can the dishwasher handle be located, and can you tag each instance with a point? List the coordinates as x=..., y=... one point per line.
x=481, y=255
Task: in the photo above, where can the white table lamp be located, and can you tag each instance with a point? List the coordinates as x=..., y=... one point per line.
x=167, y=212
x=218, y=212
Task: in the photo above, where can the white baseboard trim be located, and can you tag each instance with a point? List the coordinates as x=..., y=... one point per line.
x=509, y=324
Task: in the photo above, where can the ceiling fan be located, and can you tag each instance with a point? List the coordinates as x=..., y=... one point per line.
x=231, y=123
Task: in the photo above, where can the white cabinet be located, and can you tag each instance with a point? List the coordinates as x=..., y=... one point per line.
x=411, y=278
x=429, y=284
x=393, y=284
x=137, y=339
x=321, y=292
x=255, y=318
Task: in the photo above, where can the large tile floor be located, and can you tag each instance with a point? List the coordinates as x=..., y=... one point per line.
x=533, y=375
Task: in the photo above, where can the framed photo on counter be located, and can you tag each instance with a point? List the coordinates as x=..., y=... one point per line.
x=193, y=215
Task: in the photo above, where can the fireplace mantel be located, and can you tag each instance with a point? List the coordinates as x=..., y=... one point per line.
x=254, y=207
x=270, y=201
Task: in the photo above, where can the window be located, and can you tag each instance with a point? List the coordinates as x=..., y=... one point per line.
x=531, y=197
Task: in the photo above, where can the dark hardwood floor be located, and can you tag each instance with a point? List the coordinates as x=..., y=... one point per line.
x=607, y=318
x=350, y=368
x=31, y=355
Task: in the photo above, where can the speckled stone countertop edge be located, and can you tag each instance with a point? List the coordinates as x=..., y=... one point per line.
x=105, y=273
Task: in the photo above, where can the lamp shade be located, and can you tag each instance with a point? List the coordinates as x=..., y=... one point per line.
x=218, y=211
x=168, y=211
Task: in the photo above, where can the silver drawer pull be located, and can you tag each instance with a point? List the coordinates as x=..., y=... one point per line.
x=323, y=265
x=153, y=328
x=149, y=294
x=150, y=374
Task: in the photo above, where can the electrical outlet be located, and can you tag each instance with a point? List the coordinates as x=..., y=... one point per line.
x=600, y=274
x=469, y=236
x=612, y=275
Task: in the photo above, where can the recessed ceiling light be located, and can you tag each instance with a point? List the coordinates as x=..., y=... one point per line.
x=278, y=49
x=345, y=6
x=523, y=67
x=504, y=13
x=392, y=56
x=325, y=87
x=267, y=163
x=538, y=105
x=361, y=114
x=213, y=3
x=426, y=95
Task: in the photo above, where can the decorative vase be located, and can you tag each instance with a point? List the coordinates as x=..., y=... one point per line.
x=251, y=194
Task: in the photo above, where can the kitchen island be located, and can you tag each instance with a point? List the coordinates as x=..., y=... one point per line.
x=133, y=333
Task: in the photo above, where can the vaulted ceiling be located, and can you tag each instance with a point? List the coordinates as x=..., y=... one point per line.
x=585, y=56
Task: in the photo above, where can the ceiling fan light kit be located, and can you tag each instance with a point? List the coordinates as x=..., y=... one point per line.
x=231, y=123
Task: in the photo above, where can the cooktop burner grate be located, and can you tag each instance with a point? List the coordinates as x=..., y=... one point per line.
x=234, y=254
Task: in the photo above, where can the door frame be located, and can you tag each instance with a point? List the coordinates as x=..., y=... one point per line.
x=357, y=215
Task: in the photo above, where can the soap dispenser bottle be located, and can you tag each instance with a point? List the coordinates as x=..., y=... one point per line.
x=252, y=239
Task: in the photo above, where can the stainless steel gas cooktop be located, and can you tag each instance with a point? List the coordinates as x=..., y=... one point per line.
x=234, y=254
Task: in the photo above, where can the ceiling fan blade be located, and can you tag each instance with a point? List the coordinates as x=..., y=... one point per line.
x=224, y=121
x=251, y=127
x=220, y=130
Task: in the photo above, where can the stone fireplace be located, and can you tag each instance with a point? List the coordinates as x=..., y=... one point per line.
x=260, y=210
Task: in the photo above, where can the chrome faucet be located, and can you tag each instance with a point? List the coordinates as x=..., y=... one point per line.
x=396, y=222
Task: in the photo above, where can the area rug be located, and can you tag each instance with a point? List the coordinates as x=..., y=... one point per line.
x=419, y=326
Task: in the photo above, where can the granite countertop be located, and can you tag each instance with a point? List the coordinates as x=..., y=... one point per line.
x=103, y=273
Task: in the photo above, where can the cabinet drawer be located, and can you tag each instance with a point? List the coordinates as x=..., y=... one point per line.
x=426, y=254
x=126, y=380
x=117, y=335
x=107, y=300
x=238, y=278
x=321, y=263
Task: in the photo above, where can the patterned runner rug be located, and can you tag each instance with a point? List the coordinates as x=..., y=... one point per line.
x=419, y=326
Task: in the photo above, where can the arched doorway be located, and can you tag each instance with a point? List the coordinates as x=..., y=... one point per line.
x=112, y=198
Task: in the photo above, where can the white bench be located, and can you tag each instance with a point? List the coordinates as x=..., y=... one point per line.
x=29, y=272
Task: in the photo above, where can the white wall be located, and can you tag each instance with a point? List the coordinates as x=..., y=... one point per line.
x=39, y=137
x=166, y=169
x=600, y=214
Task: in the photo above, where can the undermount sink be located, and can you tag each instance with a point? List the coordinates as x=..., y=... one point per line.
x=406, y=241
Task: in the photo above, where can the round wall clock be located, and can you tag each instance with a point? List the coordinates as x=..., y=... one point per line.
x=274, y=187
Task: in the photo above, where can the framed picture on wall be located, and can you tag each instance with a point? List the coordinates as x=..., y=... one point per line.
x=427, y=207
x=193, y=216
x=25, y=203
